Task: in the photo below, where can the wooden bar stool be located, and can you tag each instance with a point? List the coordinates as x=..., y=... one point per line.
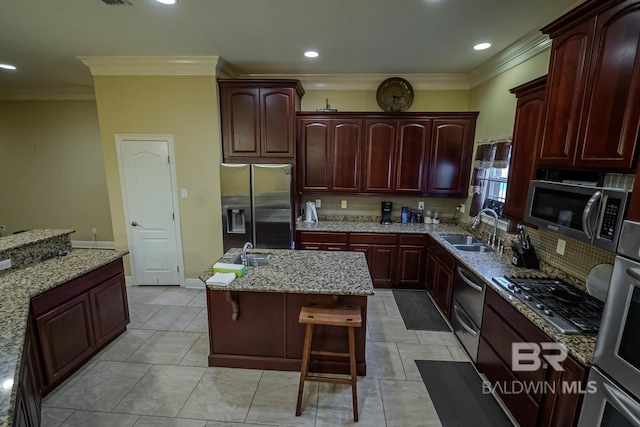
x=347, y=316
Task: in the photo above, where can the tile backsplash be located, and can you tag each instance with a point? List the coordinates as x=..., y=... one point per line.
x=369, y=206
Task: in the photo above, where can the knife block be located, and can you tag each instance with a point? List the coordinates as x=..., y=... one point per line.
x=524, y=257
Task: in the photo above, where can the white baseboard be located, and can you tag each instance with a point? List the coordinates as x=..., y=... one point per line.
x=194, y=284
x=128, y=280
x=90, y=244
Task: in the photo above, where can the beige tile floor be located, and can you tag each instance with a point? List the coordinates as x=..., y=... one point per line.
x=156, y=374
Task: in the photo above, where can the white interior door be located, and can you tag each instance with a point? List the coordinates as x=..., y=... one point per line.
x=149, y=197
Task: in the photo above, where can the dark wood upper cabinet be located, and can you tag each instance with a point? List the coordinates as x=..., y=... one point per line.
x=380, y=147
x=384, y=152
x=526, y=135
x=330, y=154
x=593, y=103
x=633, y=214
x=413, y=145
x=258, y=119
x=450, y=157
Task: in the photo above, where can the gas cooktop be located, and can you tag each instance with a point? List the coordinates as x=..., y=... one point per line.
x=568, y=309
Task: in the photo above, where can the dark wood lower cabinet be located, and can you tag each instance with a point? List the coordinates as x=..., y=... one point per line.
x=67, y=325
x=438, y=279
x=549, y=399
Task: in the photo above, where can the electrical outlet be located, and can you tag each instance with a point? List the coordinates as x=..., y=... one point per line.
x=562, y=244
x=462, y=207
x=318, y=203
x=5, y=264
x=343, y=204
x=420, y=205
x=3, y=227
x=184, y=193
x=94, y=231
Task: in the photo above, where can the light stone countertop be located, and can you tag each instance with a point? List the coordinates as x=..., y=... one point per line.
x=16, y=289
x=304, y=272
x=16, y=241
x=486, y=265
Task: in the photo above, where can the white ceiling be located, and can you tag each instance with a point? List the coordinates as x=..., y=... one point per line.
x=43, y=38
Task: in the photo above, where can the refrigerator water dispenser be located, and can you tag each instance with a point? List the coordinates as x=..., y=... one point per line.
x=235, y=221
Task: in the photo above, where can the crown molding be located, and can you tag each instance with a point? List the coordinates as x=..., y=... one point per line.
x=523, y=49
x=371, y=81
x=69, y=93
x=151, y=65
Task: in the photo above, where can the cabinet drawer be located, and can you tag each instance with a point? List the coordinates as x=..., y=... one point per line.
x=373, y=238
x=322, y=237
x=514, y=318
x=412, y=239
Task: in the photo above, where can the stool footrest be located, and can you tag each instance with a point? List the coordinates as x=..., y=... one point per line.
x=329, y=353
x=328, y=379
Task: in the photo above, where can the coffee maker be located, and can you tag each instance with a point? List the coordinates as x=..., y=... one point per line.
x=386, y=213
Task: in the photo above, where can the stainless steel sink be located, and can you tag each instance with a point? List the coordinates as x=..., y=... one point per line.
x=459, y=239
x=252, y=259
x=475, y=248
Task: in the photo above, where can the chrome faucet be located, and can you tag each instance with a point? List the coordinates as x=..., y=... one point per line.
x=495, y=225
x=246, y=246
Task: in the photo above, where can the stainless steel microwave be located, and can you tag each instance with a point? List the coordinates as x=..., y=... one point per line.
x=589, y=214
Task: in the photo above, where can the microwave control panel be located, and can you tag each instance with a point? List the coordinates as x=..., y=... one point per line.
x=611, y=211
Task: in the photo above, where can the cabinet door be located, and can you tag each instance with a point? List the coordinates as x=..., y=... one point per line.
x=411, y=157
x=411, y=266
x=526, y=134
x=612, y=109
x=383, y=265
x=450, y=157
x=30, y=397
x=570, y=53
x=314, y=143
x=562, y=408
x=66, y=336
x=277, y=122
x=346, y=153
x=444, y=287
x=109, y=309
x=379, y=164
x=240, y=121
x=430, y=272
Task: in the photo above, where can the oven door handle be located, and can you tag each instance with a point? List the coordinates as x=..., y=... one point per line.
x=586, y=213
x=623, y=403
x=461, y=319
x=634, y=272
x=468, y=281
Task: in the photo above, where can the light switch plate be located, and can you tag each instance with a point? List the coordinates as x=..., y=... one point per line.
x=318, y=203
x=343, y=204
x=184, y=193
x=562, y=244
x=5, y=264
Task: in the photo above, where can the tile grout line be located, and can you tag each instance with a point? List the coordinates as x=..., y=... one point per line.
x=253, y=397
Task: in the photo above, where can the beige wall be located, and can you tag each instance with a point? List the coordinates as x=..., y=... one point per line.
x=187, y=108
x=365, y=100
x=496, y=104
x=51, y=170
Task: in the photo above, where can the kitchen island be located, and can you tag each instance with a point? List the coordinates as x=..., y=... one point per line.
x=253, y=322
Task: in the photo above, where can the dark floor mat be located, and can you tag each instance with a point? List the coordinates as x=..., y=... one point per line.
x=456, y=391
x=418, y=312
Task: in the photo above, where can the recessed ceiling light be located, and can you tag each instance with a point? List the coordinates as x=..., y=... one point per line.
x=482, y=46
x=167, y=1
x=311, y=54
x=7, y=66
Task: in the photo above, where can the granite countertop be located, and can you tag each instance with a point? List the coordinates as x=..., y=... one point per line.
x=16, y=290
x=15, y=241
x=304, y=272
x=486, y=265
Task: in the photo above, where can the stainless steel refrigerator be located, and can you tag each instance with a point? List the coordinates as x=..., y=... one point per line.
x=256, y=205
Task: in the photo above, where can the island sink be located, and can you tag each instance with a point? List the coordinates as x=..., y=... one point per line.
x=252, y=259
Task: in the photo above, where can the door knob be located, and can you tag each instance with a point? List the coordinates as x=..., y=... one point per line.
x=135, y=224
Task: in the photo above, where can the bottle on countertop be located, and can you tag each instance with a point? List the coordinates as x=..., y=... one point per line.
x=436, y=218
x=427, y=217
x=404, y=217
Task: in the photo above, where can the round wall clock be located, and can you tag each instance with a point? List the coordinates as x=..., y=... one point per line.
x=394, y=94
